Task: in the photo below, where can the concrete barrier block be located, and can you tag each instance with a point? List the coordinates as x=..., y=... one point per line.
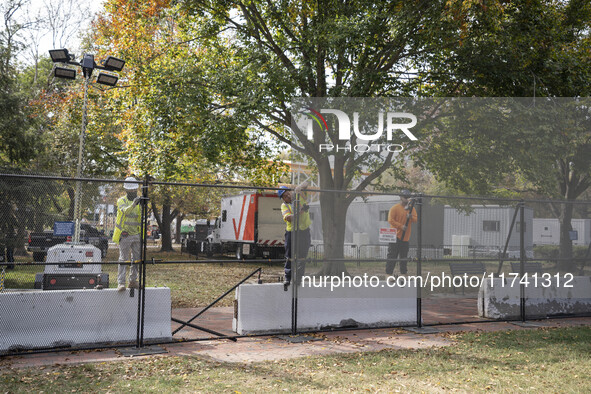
x=266, y=308
x=39, y=319
x=501, y=300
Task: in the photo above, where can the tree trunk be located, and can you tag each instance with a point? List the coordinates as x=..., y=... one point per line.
x=566, y=244
x=164, y=221
x=165, y=228
x=179, y=224
x=334, y=216
x=21, y=231
x=572, y=185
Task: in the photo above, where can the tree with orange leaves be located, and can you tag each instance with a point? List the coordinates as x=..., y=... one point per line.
x=167, y=125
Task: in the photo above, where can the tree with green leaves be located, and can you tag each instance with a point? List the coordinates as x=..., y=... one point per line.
x=262, y=54
x=534, y=48
x=17, y=144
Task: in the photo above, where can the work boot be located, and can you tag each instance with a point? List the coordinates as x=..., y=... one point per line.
x=133, y=284
x=121, y=287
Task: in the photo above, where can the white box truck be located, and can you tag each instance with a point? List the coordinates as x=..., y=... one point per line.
x=250, y=226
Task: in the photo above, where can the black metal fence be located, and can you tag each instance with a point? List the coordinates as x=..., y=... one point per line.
x=200, y=242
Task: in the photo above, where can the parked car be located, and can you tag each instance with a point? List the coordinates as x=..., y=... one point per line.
x=40, y=242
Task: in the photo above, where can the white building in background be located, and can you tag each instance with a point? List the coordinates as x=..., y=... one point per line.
x=547, y=231
x=485, y=226
x=367, y=215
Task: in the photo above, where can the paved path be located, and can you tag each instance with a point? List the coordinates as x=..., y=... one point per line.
x=255, y=349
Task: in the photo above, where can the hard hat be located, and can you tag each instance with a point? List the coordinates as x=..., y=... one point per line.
x=128, y=185
x=405, y=193
x=282, y=189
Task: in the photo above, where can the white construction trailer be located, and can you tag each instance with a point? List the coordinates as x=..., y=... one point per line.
x=480, y=230
x=547, y=231
x=486, y=227
x=367, y=215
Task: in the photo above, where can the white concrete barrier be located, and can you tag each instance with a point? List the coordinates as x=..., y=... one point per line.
x=266, y=308
x=500, y=300
x=39, y=319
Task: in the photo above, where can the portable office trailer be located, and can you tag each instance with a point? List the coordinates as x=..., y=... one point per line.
x=546, y=231
x=487, y=226
x=366, y=216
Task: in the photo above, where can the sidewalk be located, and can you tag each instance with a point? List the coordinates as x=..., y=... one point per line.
x=269, y=348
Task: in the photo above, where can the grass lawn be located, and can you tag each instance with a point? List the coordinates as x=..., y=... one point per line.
x=196, y=285
x=192, y=285
x=543, y=360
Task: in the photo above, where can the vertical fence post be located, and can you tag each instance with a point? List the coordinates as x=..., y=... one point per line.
x=145, y=200
x=295, y=226
x=522, y=260
x=358, y=247
x=142, y=268
x=419, y=261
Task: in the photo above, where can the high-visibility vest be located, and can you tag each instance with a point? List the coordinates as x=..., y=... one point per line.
x=128, y=218
x=304, y=220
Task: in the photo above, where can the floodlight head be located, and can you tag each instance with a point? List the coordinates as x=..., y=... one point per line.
x=88, y=65
x=59, y=55
x=113, y=64
x=67, y=73
x=107, y=79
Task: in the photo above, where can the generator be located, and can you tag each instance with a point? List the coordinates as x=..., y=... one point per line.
x=77, y=268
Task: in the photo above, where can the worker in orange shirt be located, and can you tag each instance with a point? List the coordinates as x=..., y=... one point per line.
x=401, y=217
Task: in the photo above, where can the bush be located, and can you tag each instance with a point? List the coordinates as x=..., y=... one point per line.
x=552, y=252
x=546, y=252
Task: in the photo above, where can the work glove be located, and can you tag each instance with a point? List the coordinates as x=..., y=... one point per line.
x=302, y=186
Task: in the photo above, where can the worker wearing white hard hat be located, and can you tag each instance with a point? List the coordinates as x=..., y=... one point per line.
x=127, y=233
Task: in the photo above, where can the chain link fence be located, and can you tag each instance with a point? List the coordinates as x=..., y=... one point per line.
x=207, y=249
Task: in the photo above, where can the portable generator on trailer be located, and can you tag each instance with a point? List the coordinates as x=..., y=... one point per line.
x=77, y=268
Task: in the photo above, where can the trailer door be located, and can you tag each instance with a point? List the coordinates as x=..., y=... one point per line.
x=271, y=227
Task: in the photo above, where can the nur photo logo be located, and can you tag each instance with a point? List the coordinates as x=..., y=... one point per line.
x=392, y=125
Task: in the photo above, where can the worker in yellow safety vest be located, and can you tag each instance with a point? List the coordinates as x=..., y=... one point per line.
x=302, y=232
x=127, y=233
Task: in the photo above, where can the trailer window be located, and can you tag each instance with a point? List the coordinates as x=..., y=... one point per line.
x=384, y=216
x=224, y=214
x=491, y=225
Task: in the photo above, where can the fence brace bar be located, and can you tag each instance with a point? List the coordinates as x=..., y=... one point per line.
x=517, y=208
x=183, y=324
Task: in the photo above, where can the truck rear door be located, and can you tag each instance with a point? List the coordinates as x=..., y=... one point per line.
x=271, y=227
